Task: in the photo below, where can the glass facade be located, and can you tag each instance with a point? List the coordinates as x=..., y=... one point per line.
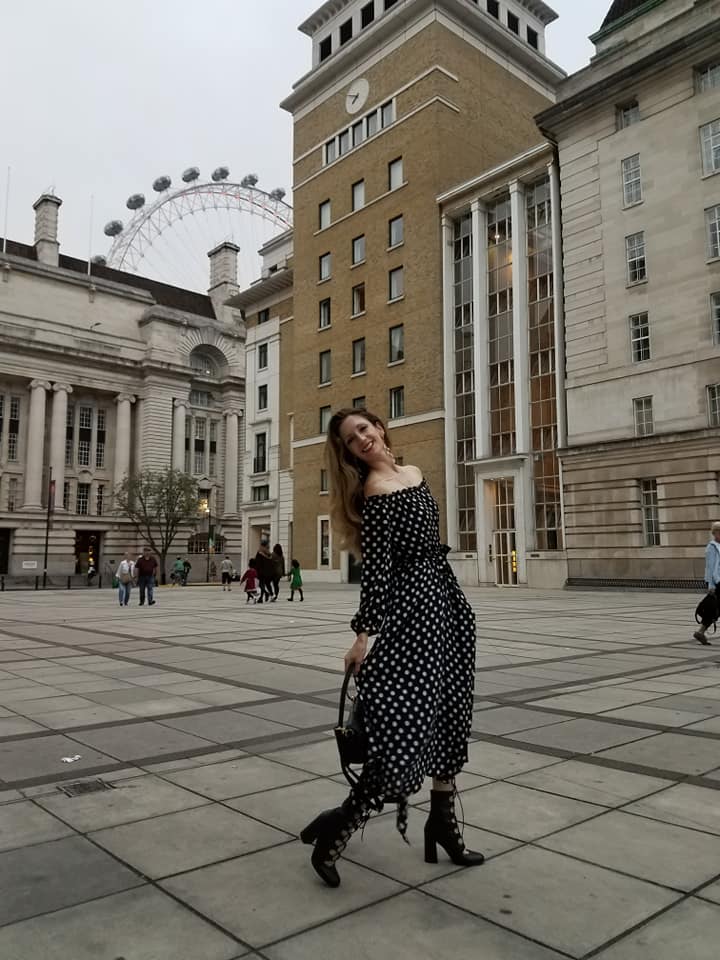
x=464, y=381
x=500, y=330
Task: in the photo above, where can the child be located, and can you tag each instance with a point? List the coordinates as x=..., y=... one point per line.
x=295, y=578
x=249, y=578
x=227, y=571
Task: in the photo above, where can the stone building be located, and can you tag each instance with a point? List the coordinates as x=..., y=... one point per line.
x=404, y=100
x=102, y=373
x=504, y=372
x=638, y=134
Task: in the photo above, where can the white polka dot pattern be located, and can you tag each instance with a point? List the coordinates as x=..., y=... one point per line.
x=416, y=684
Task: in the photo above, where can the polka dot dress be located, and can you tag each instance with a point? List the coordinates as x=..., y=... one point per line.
x=416, y=684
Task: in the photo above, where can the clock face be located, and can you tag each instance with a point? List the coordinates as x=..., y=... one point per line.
x=357, y=95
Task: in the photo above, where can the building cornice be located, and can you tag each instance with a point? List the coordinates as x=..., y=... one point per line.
x=503, y=170
x=269, y=286
x=464, y=12
x=708, y=436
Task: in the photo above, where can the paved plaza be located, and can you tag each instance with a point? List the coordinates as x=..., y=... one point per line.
x=592, y=786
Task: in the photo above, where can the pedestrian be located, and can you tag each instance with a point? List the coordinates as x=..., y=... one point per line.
x=187, y=567
x=125, y=574
x=250, y=579
x=265, y=570
x=146, y=569
x=295, y=578
x=178, y=572
x=415, y=686
x=91, y=573
x=708, y=610
x=278, y=561
x=227, y=570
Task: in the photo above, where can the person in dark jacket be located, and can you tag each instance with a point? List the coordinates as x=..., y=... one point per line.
x=278, y=560
x=265, y=570
x=146, y=570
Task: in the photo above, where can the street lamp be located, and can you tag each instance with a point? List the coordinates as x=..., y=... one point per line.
x=208, y=514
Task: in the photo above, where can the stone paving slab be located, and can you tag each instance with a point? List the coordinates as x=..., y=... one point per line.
x=138, y=740
x=591, y=782
x=42, y=757
x=24, y=823
x=236, y=778
x=582, y=736
x=685, y=805
x=692, y=929
x=670, y=751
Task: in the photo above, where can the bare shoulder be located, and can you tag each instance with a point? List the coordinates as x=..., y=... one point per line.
x=404, y=477
x=413, y=474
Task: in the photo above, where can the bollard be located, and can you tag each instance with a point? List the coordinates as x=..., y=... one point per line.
x=99, y=581
x=2, y=584
x=68, y=586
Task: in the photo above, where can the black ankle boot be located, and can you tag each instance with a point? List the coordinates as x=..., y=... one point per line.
x=442, y=828
x=331, y=831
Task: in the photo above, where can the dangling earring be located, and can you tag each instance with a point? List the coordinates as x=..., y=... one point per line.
x=388, y=452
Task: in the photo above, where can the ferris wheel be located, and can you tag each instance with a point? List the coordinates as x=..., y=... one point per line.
x=168, y=239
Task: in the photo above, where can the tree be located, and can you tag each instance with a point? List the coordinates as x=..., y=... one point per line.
x=158, y=503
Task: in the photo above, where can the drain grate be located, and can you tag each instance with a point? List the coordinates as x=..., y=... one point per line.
x=82, y=787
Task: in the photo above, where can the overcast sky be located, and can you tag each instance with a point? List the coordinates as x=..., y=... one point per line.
x=101, y=97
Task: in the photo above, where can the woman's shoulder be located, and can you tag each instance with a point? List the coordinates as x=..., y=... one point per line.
x=407, y=476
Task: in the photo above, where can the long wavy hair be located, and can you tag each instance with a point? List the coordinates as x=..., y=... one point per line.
x=347, y=476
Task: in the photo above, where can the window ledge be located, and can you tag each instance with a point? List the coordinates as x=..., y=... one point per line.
x=360, y=263
x=395, y=246
x=360, y=373
x=713, y=260
x=328, y=326
x=327, y=383
x=354, y=316
x=325, y=280
x=637, y=283
x=713, y=173
x=258, y=476
x=399, y=186
x=397, y=299
x=323, y=493
x=396, y=363
x=635, y=203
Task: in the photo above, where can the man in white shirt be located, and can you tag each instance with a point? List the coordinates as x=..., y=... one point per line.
x=712, y=578
x=125, y=575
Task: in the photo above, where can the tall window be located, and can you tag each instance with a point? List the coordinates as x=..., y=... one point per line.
x=358, y=249
x=260, y=459
x=83, y=499
x=710, y=141
x=262, y=396
x=12, y=494
x=513, y=22
x=324, y=214
x=66, y=495
x=358, y=299
x=651, y=512
x=543, y=385
x=715, y=316
x=324, y=543
x=325, y=366
x=632, y=180
x=263, y=316
x=493, y=8
x=395, y=174
x=100, y=503
x=635, y=257
x=643, y=412
x=396, y=229
x=396, y=344
x=188, y=436
x=346, y=31
x=325, y=415
x=325, y=313
x=712, y=223
x=212, y=454
x=640, y=337
x=358, y=355
x=358, y=403
x=464, y=379
x=358, y=133
x=100, y=440
x=387, y=113
x=325, y=266
x=70, y=435
x=397, y=402
x=323, y=481
x=627, y=114
x=367, y=14
x=358, y=195
x=500, y=330
x=199, y=446
x=713, y=395
x=707, y=77
x=325, y=48
x=396, y=283
x=533, y=38
x=262, y=356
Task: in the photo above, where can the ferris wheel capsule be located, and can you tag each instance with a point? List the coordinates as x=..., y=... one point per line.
x=192, y=173
x=220, y=173
x=135, y=201
x=113, y=228
x=278, y=193
x=250, y=180
x=161, y=184
x=99, y=260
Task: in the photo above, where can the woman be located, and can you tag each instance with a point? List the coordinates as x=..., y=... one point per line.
x=265, y=569
x=278, y=560
x=125, y=574
x=416, y=683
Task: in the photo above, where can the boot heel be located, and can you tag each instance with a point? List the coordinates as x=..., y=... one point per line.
x=312, y=830
x=431, y=855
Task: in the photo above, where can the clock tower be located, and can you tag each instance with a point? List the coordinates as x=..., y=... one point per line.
x=405, y=99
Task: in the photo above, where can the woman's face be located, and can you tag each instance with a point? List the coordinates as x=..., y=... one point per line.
x=364, y=440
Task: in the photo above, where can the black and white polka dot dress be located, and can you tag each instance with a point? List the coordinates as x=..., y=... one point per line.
x=416, y=684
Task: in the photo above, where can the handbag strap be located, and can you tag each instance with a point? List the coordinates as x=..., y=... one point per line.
x=343, y=694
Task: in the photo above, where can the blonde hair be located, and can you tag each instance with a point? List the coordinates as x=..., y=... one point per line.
x=715, y=526
x=346, y=476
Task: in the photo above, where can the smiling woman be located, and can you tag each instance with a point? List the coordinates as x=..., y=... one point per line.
x=415, y=686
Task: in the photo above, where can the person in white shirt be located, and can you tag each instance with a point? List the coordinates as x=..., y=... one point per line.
x=227, y=570
x=125, y=575
x=712, y=579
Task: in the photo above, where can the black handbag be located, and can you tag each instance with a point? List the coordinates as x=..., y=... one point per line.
x=707, y=609
x=350, y=732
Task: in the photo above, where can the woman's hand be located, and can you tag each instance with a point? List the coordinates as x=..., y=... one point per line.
x=357, y=653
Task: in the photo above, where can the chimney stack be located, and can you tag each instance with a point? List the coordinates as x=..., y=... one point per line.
x=223, y=264
x=46, y=224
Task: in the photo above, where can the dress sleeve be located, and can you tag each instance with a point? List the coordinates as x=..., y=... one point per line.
x=375, y=543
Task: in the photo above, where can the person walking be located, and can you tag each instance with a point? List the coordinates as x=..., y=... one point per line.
x=278, y=571
x=250, y=579
x=712, y=579
x=415, y=686
x=146, y=570
x=187, y=567
x=178, y=572
x=226, y=573
x=124, y=575
x=295, y=578
x=265, y=570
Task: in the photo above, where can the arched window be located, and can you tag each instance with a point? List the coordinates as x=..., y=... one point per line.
x=203, y=363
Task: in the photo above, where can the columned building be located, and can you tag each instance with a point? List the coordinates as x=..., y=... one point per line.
x=404, y=99
x=103, y=373
x=638, y=135
x=504, y=372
